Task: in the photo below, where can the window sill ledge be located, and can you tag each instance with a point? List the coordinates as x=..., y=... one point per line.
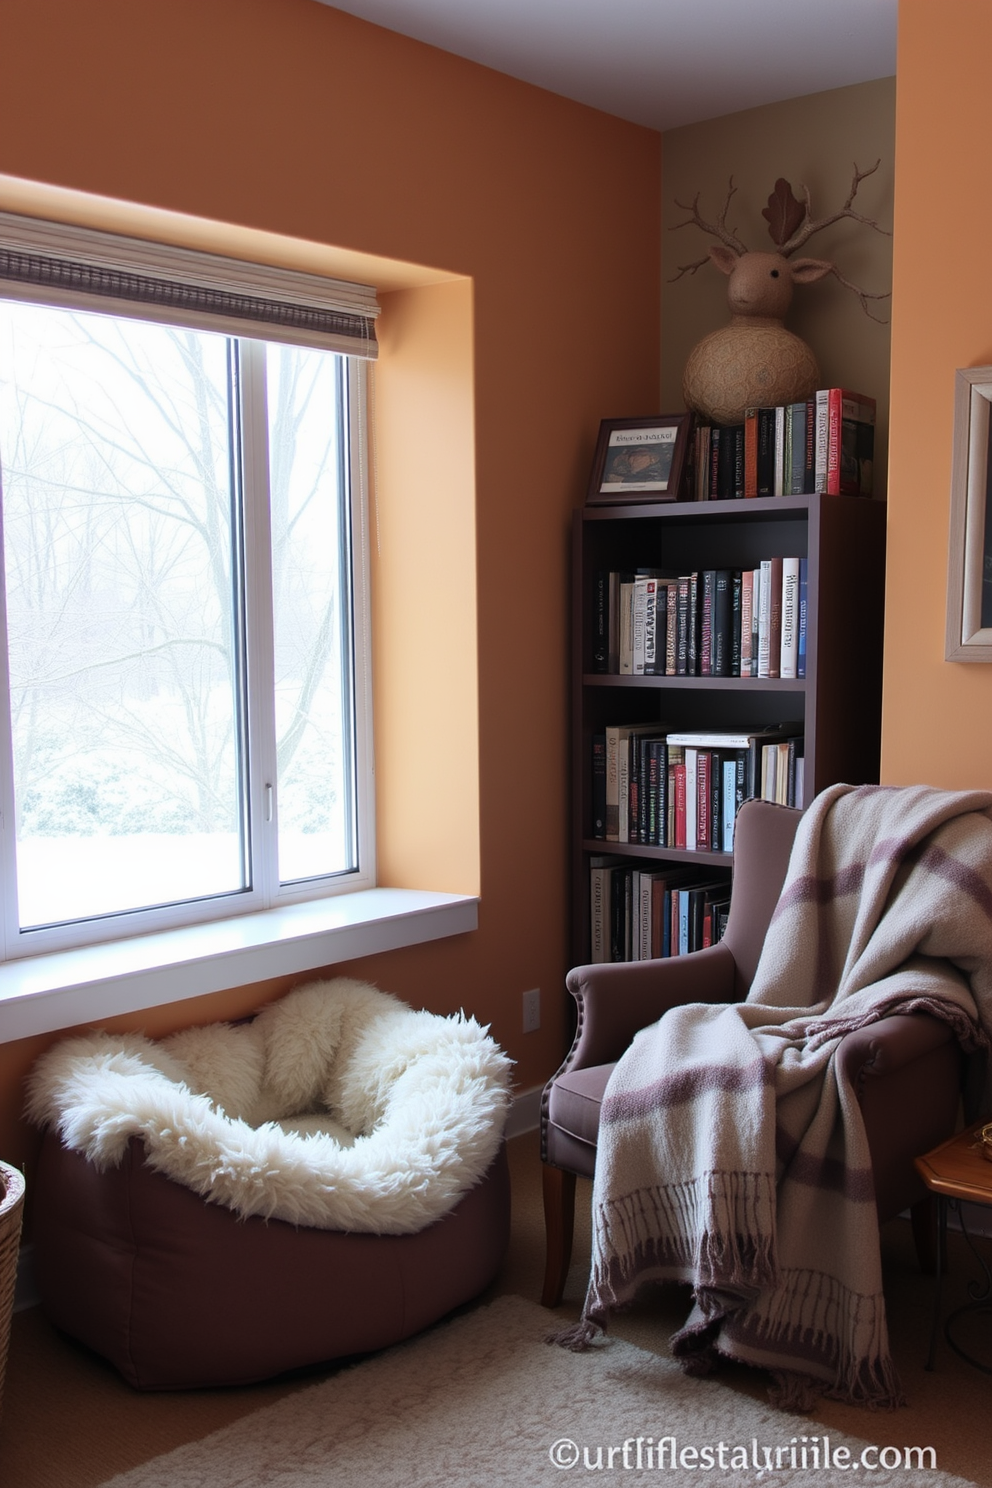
x=42, y=994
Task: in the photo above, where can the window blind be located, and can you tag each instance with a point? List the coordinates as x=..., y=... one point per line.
x=60, y=264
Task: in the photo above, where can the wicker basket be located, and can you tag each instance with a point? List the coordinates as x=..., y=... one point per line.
x=11, y=1213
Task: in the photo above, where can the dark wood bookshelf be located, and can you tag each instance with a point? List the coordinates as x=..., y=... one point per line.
x=837, y=704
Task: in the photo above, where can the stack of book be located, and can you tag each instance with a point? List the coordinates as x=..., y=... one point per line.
x=824, y=444
x=639, y=914
x=722, y=622
x=659, y=787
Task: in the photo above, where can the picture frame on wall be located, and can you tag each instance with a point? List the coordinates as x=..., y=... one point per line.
x=640, y=459
x=968, y=635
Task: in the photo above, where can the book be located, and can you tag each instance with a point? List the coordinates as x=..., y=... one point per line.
x=619, y=924
x=716, y=801
x=728, y=801
x=704, y=434
x=644, y=622
x=689, y=768
x=656, y=648
x=703, y=824
x=597, y=774
x=673, y=758
x=600, y=638
x=728, y=738
x=628, y=736
x=706, y=621
x=809, y=470
x=750, y=452
x=671, y=627
x=747, y=594
x=736, y=579
x=601, y=871
x=694, y=617
x=738, y=463
x=764, y=617
x=775, y=618
x=789, y=650
x=803, y=607
x=730, y=463
x=755, y=612
x=639, y=804
x=678, y=838
x=682, y=627
x=626, y=629
x=759, y=452
x=617, y=737
x=797, y=448
x=822, y=441
x=722, y=624
x=697, y=897
x=779, y=488
x=748, y=746
x=725, y=470
x=766, y=451
x=850, y=443
x=657, y=793
x=716, y=440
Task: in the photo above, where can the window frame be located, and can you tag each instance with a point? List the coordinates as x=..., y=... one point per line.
x=265, y=891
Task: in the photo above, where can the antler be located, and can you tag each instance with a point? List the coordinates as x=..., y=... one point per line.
x=716, y=230
x=863, y=294
x=811, y=224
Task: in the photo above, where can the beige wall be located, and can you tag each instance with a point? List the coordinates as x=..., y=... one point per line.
x=937, y=715
x=815, y=140
x=287, y=117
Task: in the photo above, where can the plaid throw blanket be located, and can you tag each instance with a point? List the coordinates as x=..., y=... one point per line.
x=732, y=1158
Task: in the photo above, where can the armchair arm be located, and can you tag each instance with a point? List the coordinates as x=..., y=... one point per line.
x=615, y=1000
x=906, y=1073
x=883, y=1049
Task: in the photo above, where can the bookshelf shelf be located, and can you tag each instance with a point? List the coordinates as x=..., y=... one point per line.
x=836, y=706
x=749, y=685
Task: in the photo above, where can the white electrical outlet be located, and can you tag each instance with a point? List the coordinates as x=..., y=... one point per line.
x=532, y=1010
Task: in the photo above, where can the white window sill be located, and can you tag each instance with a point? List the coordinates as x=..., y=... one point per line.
x=41, y=994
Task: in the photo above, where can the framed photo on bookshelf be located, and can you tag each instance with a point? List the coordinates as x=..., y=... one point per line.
x=968, y=635
x=640, y=459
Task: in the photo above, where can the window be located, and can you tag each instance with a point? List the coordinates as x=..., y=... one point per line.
x=185, y=719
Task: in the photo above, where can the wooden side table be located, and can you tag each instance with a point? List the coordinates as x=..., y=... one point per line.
x=957, y=1171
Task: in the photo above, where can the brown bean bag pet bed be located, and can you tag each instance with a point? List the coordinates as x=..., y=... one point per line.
x=236, y=1201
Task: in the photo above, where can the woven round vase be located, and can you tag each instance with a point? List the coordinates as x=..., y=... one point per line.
x=744, y=365
x=11, y=1214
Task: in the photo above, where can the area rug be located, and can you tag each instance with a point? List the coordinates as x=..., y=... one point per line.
x=484, y=1402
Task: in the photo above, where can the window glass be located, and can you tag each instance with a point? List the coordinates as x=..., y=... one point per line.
x=308, y=462
x=137, y=781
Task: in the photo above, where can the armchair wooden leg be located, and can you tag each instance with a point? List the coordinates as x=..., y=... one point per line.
x=559, y=1224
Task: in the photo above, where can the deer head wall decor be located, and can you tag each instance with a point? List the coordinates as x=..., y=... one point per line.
x=754, y=361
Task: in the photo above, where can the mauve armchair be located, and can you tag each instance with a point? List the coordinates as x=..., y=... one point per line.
x=906, y=1070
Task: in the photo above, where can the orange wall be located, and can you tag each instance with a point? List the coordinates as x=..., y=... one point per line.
x=288, y=117
x=937, y=715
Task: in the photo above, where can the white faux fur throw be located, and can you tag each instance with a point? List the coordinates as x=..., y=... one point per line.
x=731, y=1157
x=337, y=1107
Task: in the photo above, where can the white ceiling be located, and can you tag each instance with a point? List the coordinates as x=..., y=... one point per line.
x=659, y=62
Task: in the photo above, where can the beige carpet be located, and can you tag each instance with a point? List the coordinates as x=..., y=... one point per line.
x=484, y=1402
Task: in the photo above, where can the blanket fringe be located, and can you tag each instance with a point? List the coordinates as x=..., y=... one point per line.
x=578, y=1336
x=841, y=1335
x=793, y=1392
